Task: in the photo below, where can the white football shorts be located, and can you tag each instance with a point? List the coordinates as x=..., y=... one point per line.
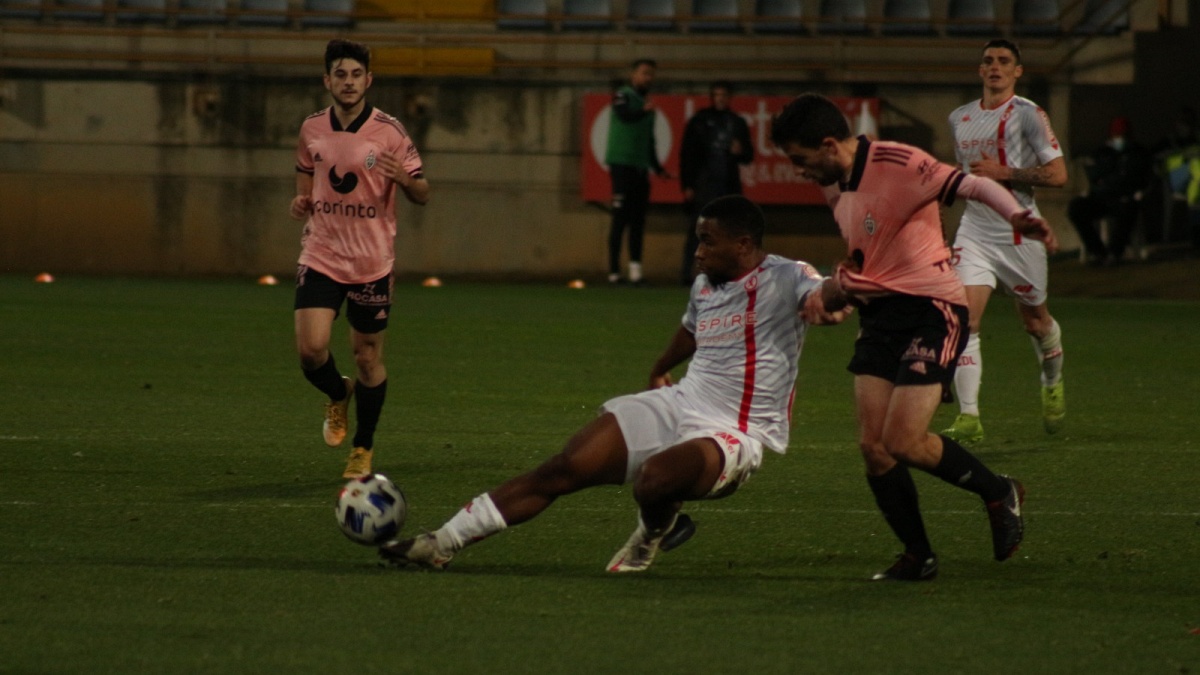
x=655, y=420
x=1020, y=270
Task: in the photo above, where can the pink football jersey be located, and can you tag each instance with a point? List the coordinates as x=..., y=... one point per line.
x=888, y=214
x=350, y=234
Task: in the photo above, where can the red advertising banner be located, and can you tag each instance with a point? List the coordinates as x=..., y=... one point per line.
x=769, y=179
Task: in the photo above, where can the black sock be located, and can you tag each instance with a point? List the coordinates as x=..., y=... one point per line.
x=962, y=469
x=327, y=378
x=896, y=494
x=368, y=407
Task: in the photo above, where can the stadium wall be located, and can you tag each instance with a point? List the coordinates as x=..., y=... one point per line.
x=178, y=175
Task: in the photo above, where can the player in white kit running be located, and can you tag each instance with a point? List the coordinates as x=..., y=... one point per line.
x=698, y=439
x=1009, y=139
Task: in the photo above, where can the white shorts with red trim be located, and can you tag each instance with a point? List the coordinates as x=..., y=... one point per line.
x=655, y=420
x=1020, y=270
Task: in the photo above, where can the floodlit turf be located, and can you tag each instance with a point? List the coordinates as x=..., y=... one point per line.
x=166, y=501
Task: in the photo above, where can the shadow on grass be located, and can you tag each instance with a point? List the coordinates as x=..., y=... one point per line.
x=294, y=489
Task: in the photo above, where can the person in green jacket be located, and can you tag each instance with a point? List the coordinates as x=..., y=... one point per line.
x=630, y=157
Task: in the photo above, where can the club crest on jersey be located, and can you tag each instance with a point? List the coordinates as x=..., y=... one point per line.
x=370, y=163
x=751, y=283
x=869, y=223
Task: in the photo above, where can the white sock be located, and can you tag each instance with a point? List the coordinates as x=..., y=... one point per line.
x=635, y=271
x=1050, y=354
x=476, y=521
x=969, y=376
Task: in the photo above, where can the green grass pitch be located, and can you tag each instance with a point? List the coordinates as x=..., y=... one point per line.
x=166, y=501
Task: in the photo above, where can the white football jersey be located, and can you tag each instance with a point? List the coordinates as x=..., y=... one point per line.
x=748, y=339
x=1018, y=134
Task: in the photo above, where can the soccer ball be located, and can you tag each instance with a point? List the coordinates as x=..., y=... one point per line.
x=371, y=509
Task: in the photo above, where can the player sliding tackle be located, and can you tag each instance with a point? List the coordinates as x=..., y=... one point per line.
x=699, y=439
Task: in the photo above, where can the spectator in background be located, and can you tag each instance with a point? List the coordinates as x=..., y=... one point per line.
x=1118, y=174
x=1178, y=161
x=715, y=141
x=630, y=157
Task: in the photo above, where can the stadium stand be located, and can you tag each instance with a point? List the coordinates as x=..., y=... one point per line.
x=587, y=14
x=971, y=17
x=843, y=16
x=20, y=9
x=263, y=12
x=778, y=16
x=525, y=14
x=907, y=17
x=145, y=11
x=1108, y=17
x=651, y=15
x=79, y=10
x=202, y=11
x=1036, y=17
x=331, y=13
x=714, y=15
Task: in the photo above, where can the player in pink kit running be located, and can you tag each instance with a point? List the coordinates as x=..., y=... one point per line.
x=349, y=161
x=1007, y=138
x=698, y=439
x=885, y=198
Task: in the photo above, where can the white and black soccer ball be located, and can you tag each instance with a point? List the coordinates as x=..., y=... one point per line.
x=371, y=509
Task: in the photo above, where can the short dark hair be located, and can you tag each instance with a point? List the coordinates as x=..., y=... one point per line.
x=721, y=84
x=337, y=50
x=737, y=216
x=1003, y=43
x=643, y=62
x=807, y=120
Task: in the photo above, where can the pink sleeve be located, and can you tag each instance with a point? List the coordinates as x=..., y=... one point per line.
x=991, y=193
x=304, y=162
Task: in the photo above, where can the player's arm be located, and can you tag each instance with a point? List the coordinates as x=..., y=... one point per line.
x=1051, y=174
x=1001, y=201
x=680, y=349
x=411, y=180
x=826, y=305
x=302, y=202
x=415, y=188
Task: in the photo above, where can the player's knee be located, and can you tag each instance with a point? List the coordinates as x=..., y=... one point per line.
x=312, y=357
x=366, y=357
x=875, y=455
x=651, y=484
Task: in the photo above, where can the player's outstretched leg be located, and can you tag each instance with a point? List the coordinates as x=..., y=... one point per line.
x=1008, y=525
x=421, y=551
x=334, y=428
x=476, y=521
